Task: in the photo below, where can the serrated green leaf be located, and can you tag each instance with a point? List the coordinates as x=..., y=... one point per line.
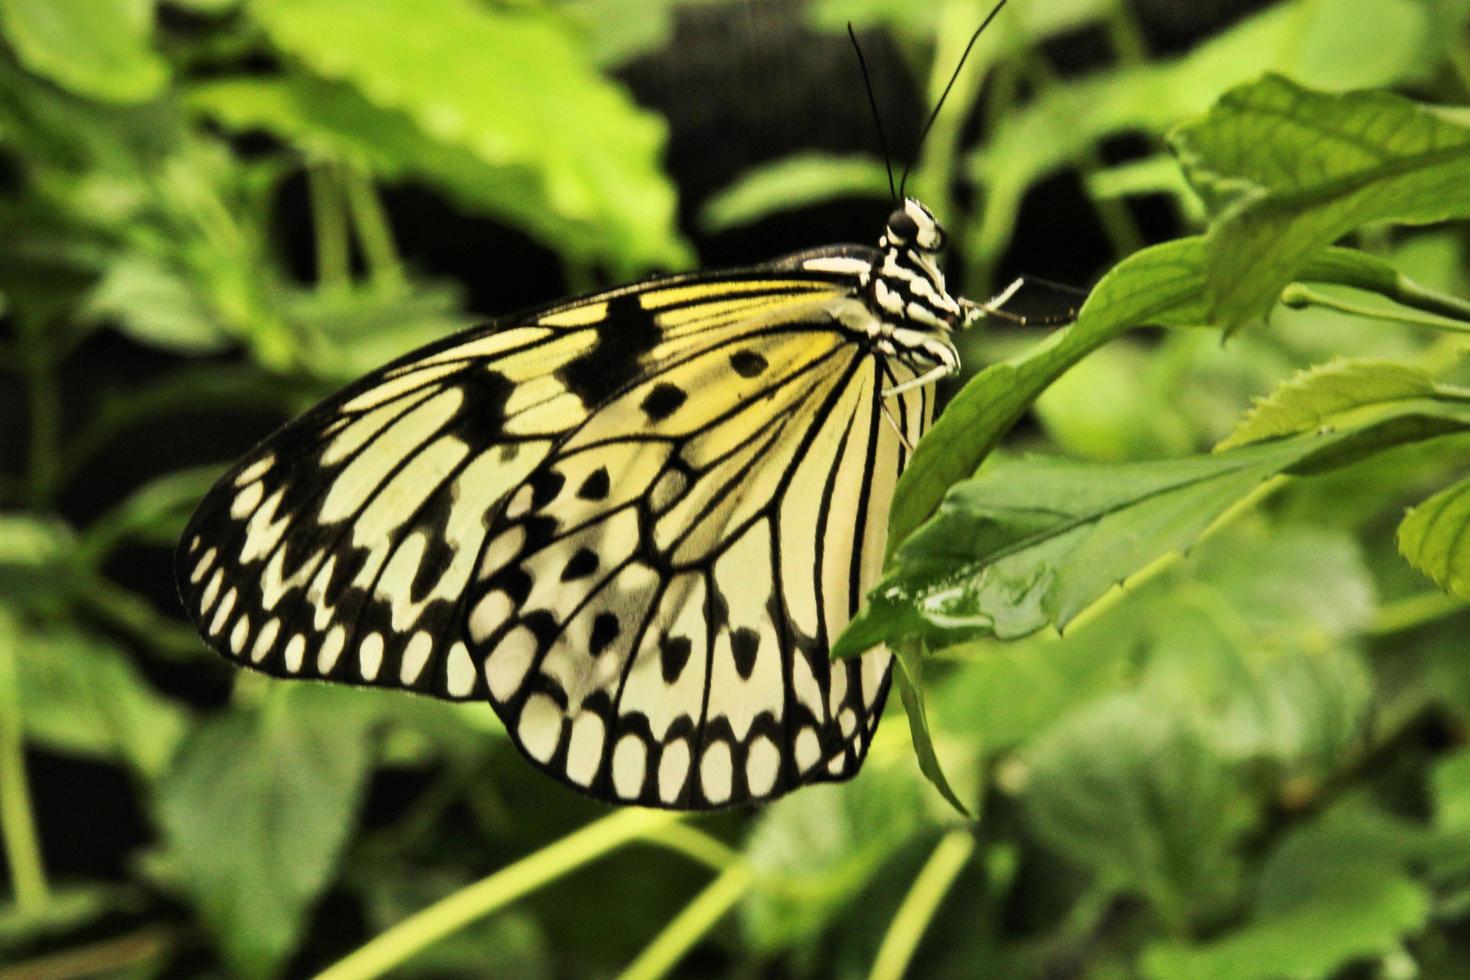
x=81, y=694
x=813, y=852
x=1128, y=788
x=1433, y=537
x=95, y=48
x=256, y=812
x=156, y=305
x=1308, y=400
x=1296, y=170
x=794, y=182
x=462, y=72
x=1360, y=909
x=1159, y=285
x=1031, y=543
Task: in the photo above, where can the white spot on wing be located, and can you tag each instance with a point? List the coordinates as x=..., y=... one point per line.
x=370, y=656
x=539, y=727
x=256, y=470
x=222, y=614
x=673, y=770
x=716, y=771
x=239, y=635
x=460, y=671
x=331, y=649
x=415, y=656
x=808, y=749
x=629, y=764
x=584, y=751
x=247, y=500
x=205, y=561
x=489, y=614
x=296, y=651
x=265, y=640
x=762, y=765
x=506, y=666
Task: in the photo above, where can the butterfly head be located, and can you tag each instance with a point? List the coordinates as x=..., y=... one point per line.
x=906, y=287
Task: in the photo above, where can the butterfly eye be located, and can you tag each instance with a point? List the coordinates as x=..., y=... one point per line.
x=902, y=227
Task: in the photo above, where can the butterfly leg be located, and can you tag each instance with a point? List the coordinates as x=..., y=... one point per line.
x=927, y=378
x=897, y=429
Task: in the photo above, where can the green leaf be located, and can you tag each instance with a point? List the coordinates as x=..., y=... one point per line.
x=256, y=812
x=909, y=675
x=1358, y=910
x=333, y=120
x=81, y=694
x=1159, y=285
x=793, y=182
x=1128, y=788
x=1068, y=120
x=1310, y=399
x=1450, y=780
x=1296, y=169
x=95, y=48
x=1334, y=891
x=1033, y=542
x=512, y=89
x=154, y=304
x=618, y=31
x=1432, y=537
x=813, y=852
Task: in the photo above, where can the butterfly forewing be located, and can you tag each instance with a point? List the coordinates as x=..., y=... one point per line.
x=635, y=522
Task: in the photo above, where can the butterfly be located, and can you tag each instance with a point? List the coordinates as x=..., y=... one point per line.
x=634, y=522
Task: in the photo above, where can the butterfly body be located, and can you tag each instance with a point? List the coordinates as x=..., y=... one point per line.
x=634, y=522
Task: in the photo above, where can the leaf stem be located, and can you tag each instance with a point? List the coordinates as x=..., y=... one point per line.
x=694, y=844
x=698, y=918
x=1441, y=312
x=17, y=823
x=478, y=900
x=373, y=230
x=329, y=224
x=921, y=903
x=1414, y=611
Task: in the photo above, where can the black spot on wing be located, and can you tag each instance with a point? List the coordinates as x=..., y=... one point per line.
x=605, y=629
x=624, y=337
x=673, y=654
x=744, y=643
x=596, y=486
x=582, y=564
x=747, y=363
x=545, y=485
x=482, y=422
x=664, y=400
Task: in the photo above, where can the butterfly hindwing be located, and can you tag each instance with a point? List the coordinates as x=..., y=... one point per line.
x=655, y=602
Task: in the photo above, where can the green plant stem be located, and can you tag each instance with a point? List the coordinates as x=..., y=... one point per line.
x=921, y=903
x=690, y=925
x=1125, y=36
x=111, y=957
x=374, y=233
x=478, y=900
x=329, y=225
x=45, y=425
x=1445, y=312
x=1414, y=611
x=694, y=844
x=17, y=823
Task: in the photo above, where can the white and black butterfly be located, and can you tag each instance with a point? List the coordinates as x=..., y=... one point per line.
x=634, y=522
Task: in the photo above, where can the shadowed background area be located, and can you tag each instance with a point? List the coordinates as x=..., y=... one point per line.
x=217, y=211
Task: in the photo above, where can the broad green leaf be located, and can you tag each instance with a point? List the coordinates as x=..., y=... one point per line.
x=922, y=20
x=81, y=694
x=1302, y=169
x=618, y=31
x=1031, y=543
x=814, y=851
x=1127, y=424
x=95, y=48
x=32, y=540
x=1433, y=538
x=156, y=305
x=1451, y=785
x=256, y=811
x=1309, y=400
x=1360, y=909
x=793, y=182
x=1068, y=120
x=333, y=120
x=1159, y=285
x=908, y=674
x=511, y=88
x=1128, y=788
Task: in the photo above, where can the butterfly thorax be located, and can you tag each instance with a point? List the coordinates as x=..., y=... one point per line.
x=913, y=312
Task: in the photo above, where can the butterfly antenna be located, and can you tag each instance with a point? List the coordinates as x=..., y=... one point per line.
x=945, y=94
x=873, y=102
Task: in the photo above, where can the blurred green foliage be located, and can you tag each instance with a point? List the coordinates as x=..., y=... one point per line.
x=1250, y=761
